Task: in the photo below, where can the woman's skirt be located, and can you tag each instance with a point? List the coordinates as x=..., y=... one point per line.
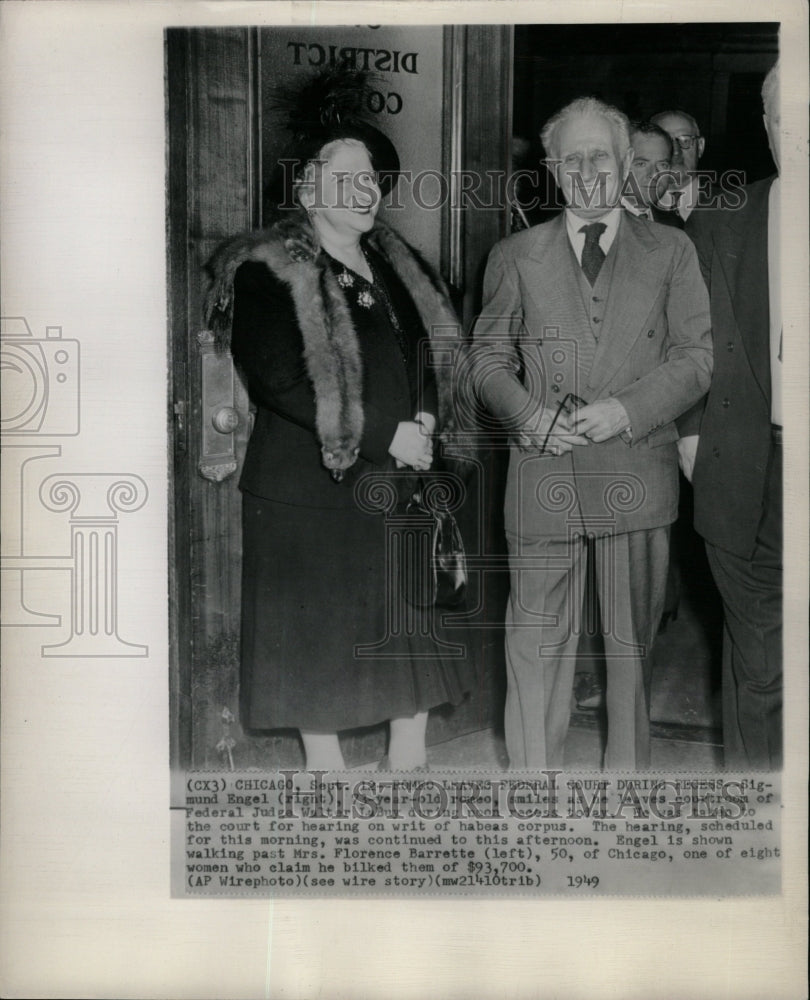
x=327, y=641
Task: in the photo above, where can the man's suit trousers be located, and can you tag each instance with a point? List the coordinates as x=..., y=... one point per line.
x=751, y=590
x=542, y=631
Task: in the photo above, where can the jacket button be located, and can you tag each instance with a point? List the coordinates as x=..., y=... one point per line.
x=730, y=346
x=651, y=333
x=716, y=452
x=595, y=298
x=597, y=319
x=725, y=403
x=555, y=388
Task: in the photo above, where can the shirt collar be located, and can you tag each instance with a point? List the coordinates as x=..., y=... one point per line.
x=687, y=200
x=574, y=223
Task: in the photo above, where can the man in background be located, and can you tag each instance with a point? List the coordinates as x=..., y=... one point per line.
x=688, y=146
x=736, y=462
x=650, y=174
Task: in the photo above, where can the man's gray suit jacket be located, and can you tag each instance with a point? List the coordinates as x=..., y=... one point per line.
x=645, y=339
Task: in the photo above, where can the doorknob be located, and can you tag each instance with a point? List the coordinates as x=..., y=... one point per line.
x=225, y=420
x=218, y=413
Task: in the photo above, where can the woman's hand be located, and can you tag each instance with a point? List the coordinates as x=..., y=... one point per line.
x=427, y=420
x=412, y=445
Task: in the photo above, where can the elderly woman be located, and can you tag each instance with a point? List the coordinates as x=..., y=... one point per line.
x=327, y=309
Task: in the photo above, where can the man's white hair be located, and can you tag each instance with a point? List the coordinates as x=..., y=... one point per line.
x=582, y=106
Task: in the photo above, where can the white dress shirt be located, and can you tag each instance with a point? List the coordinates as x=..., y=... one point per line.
x=574, y=223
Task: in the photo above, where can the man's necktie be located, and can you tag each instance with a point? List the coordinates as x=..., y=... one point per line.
x=593, y=255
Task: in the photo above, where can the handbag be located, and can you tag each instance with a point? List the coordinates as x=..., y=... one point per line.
x=434, y=570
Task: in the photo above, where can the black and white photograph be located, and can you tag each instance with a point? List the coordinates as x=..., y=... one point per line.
x=404, y=442
x=616, y=494
x=477, y=457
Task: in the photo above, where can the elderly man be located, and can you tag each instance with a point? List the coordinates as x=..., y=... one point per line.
x=688, y=146
x=594, y=336
x=738, y=469
x=650, y=174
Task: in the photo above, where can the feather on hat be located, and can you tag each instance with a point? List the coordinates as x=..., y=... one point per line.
x=328, y=106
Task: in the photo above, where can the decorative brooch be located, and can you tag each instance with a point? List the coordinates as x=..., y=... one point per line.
x=364, y=298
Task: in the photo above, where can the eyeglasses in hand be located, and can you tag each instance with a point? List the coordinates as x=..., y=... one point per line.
x=569, y=404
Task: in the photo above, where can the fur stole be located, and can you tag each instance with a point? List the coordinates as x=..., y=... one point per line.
x=331, y=351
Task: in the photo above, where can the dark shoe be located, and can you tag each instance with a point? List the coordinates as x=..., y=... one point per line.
x=588, y=692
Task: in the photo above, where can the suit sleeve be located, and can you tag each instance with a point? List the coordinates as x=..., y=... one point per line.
x=683, y=378
x=267, y=346
x=495, y=354
x=698, y=229
x=379, y=428
x=699, y=232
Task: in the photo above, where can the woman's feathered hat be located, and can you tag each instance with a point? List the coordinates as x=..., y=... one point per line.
x=328, y=106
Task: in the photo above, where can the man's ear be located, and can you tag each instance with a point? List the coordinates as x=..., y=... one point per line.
x=701, y=146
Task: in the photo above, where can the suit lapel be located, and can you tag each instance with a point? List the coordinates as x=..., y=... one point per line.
x=638, y=277
x=549, y=274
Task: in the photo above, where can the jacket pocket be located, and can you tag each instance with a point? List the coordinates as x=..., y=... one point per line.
x=664, y=435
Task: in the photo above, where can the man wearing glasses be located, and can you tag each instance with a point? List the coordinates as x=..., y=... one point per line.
x=593, y=338
x=687, y=148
